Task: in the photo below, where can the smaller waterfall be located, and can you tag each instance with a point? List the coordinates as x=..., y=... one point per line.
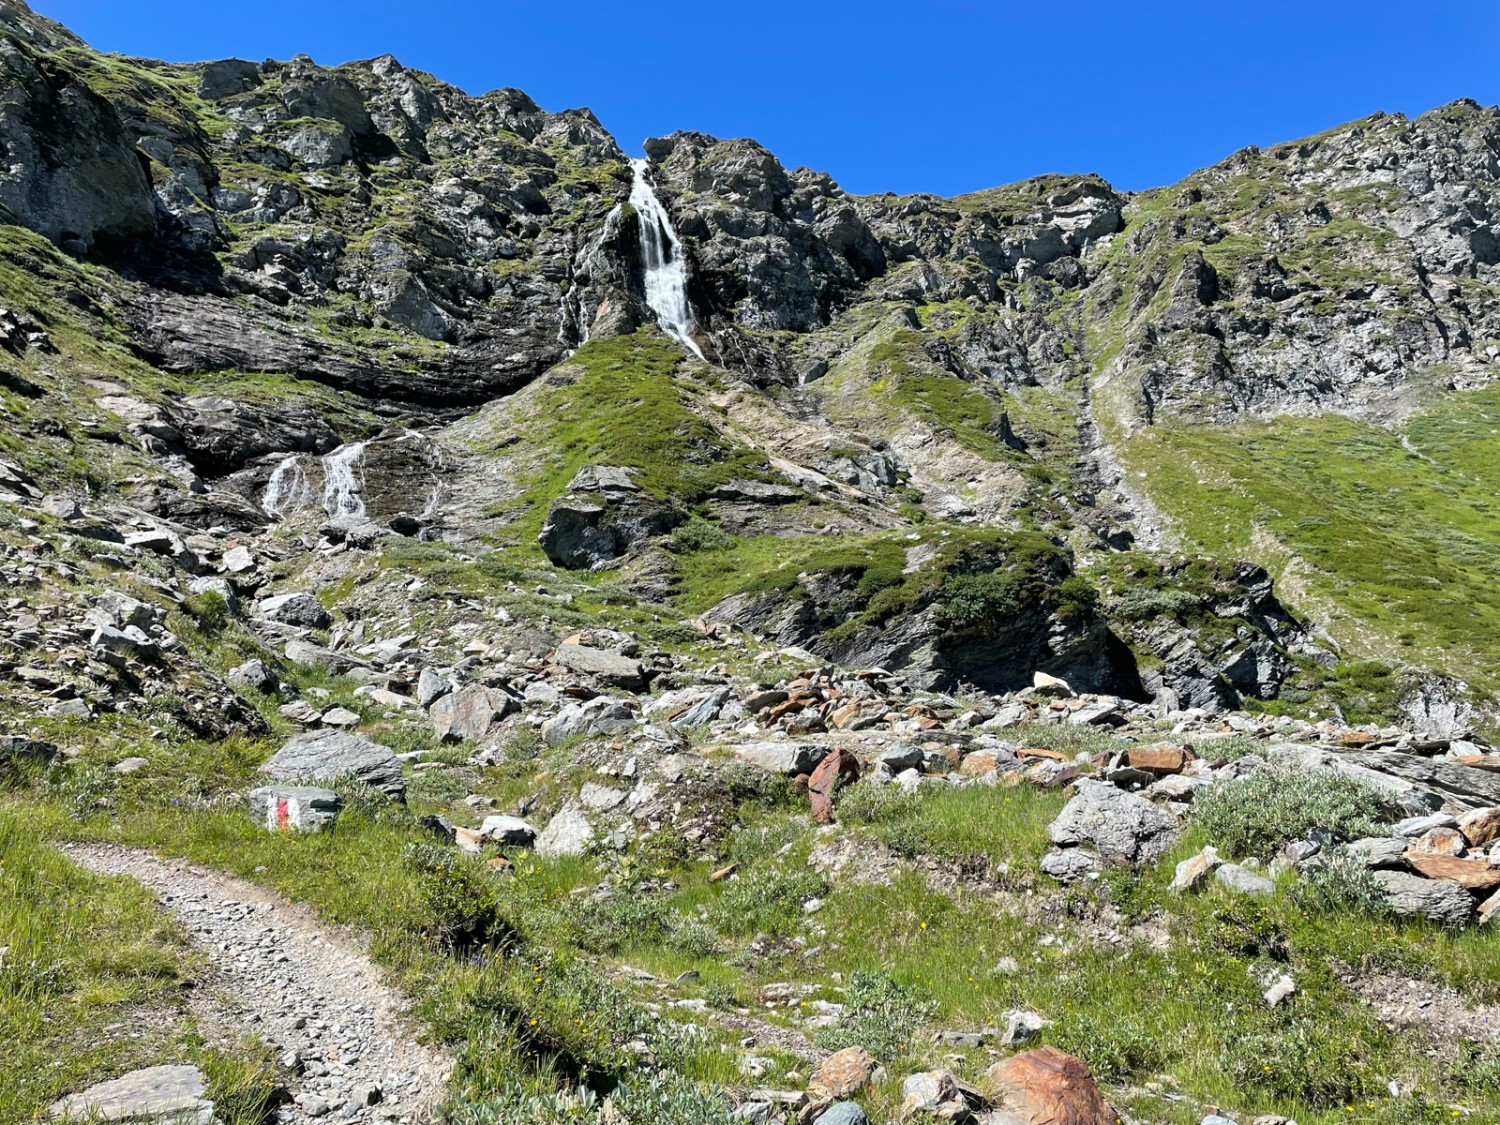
x=287, y=489
x=343, y=483
x=666, y=270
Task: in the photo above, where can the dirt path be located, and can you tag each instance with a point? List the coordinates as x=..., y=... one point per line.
x=298, y=984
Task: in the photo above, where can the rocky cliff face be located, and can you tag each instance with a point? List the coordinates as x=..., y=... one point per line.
x=237, y=289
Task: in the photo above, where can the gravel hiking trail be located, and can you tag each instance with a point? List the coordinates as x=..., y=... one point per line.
x=301, y=985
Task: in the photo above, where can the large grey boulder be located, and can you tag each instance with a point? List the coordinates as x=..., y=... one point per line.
x=600, y=716
x=568, y=833
x=255, y=675
x=691, y=707
x=1437, y=900
x=1120, y=827
x=302, y=610
x=158, y=1095
x=1242, y=881
x=468, y=714
x=294, y=808
x=507, y=832
x=585, y=532
x=789, y=758
x=15, y=750
x=1379, y=853
x=326, y=755
x=607, y=667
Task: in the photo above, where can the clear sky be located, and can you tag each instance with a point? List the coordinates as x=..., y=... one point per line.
x=928, y=95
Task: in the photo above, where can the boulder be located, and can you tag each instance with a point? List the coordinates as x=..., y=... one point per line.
x=789, y=758
x=15, y=751
x=1481, y=827
x=601, y=716
x=1411, y=896
x=339, y=663
x=843, y=1113
x=255, y=675
x=843, y=1073
x=468, y=714
x=291, y=808
x=1378, y=853
x=1242, y=881
x=301, y=610
x=929, y=1092
x=1472, y=874
x=327, y=755
x=607, y=667
x=165, y=544
x=837, y=766
x=431, y=687
x=158, y=1094
x=507, y=832
x=1122, y=827
x=1193, y=874
x=568, y=833
x=1048, y=1087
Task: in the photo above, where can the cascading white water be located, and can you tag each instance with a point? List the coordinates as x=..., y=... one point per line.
x=342, y=483
x=287, y=489
x=666, y=270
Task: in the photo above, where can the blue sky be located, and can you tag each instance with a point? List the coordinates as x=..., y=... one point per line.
x=929, y=95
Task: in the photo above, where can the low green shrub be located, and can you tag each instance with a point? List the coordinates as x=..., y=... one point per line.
x=880, y=1015
x=765, y=901
x=1270, y=808
x=458, y=907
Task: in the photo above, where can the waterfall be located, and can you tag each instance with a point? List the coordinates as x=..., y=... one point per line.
x=666, y=270
x=342, y=484
x=287, y=489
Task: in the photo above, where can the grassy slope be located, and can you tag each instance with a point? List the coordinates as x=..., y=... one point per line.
x=92, y=984
x=1389, y=534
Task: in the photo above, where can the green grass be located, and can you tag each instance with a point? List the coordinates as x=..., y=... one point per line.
x=1396, y=550
x=93, y=984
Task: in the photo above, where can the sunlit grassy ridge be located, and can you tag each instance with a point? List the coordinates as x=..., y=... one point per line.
x=1391, y=534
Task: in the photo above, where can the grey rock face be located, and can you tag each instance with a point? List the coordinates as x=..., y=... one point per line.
x=507, y=831
x=15, y=750
x=789, y=758
x=568, y=833
x=73, y=175
x=1437, y=900
x=1122, y=827
x=302, y=610
x=601, y=716
x=327, y=755
x=255, y=675
x=583, y=533
x=606, y=667
x=468, y=714
x=168, y=1095
x=282, y=808
x=1242, y=881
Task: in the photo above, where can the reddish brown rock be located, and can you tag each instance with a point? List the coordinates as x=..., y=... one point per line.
x=843, y=1073
x=825, y=779
x=979, y=762
x=845, y=715
x=1481, y=827
x=1049, y=1087
x=1036, y=752
x=1160, y=759
x=1440, y=841
x=1475, y=874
